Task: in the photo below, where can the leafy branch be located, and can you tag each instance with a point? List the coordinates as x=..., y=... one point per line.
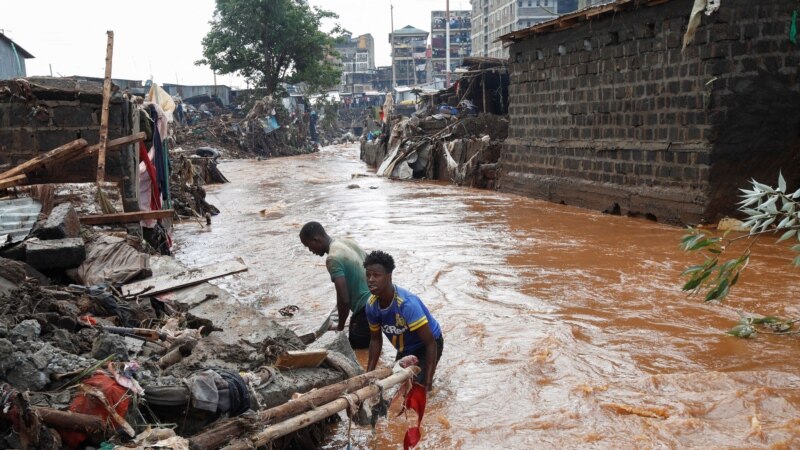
x=769, y=210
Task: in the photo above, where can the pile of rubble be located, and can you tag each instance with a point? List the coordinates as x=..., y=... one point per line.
x=102, y=342
x=464, y=150
x=455, y=134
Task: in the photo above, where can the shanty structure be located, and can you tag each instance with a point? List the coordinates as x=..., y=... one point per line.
x=12, y=58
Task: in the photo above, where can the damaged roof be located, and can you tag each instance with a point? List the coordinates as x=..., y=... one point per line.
x=577, y=18
x=24, y=53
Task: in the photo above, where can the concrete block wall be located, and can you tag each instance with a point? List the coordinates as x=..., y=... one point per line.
x=612, y=115
x=29, y=127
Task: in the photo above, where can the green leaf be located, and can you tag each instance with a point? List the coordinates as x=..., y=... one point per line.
x=742, y=331
x=796, y=261
x=693, y=269
x=787, y=235
x=781, y=182
x=795, y=248
x=697, y=280
x=719, y=292
x=766, y=319
x=762, y=187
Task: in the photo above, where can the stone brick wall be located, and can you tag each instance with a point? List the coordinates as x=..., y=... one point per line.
x=612, y=115
x=52, y=116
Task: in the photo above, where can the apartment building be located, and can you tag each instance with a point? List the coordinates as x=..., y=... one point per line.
x=357, y=57
x=460, y=40
x=410, y=47
x=494, y=18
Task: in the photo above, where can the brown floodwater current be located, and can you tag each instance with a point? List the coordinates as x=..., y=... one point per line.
x=564, y=328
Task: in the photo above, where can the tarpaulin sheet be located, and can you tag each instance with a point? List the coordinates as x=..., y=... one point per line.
x=110, y=258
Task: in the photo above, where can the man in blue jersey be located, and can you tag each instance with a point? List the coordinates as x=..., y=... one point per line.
x=402, y=317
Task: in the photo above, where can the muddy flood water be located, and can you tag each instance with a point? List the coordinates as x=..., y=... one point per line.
x=564, y=328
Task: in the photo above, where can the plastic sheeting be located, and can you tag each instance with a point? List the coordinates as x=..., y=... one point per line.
x=110, y=258
x=162, y=98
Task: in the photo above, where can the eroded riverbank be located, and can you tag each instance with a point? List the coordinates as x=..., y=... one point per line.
x=563, y=327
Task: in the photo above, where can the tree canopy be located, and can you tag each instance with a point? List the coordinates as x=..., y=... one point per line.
x=270, y=42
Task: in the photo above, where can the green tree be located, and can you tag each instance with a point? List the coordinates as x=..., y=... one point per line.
x=769, y=210
x=271, y=42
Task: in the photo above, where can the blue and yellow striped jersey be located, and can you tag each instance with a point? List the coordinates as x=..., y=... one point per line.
x=401, y=319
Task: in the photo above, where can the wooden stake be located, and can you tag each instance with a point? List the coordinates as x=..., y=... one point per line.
x=320, y=413
x=224, y=431
x=101, y=153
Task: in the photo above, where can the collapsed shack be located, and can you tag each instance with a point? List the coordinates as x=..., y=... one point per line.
x=104, y=341
x=456, y=134
x=267, y=130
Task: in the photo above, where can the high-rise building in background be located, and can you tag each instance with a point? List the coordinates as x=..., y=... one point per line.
x=494, y=18
x=460, y=40
x=410, y=45
x=357, y=57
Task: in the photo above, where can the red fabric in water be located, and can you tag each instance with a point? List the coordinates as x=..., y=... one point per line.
x=416, y=399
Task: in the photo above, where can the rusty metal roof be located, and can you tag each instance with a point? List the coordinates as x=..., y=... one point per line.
x=577, y=18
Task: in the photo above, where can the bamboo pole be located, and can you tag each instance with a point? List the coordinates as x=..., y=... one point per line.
x=101, y=153
x=226, y=430
x=318, y=414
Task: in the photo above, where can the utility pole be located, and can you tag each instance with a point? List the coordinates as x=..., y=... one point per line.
x=391, y=39
x=447, y=42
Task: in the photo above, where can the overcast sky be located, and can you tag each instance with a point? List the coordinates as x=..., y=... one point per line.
x=161, y=38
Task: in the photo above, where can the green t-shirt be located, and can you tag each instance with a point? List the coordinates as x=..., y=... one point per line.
x=346, y=259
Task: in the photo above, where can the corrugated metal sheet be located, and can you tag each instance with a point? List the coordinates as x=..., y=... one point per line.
x=17, y=217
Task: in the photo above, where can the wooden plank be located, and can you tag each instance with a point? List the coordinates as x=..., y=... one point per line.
x=101, y=153
x=190, y=277
x=40, y=161
x=111, y=145
x=301, y=359
x=128, y=217
x=13, y=181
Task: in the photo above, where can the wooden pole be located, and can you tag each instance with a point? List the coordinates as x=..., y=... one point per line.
x=320, y=413
x=41, y=160
x=110, y=145
x=483, y=85
x=13, y=181
x=226, y=430
x=101, y=153
x=67, y=420
x=129, y=217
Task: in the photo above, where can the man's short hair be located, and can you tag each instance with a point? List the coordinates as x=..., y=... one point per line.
x=311, y=230
x=380, y=258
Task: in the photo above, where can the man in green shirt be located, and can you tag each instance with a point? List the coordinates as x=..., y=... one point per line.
x=345, y=263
